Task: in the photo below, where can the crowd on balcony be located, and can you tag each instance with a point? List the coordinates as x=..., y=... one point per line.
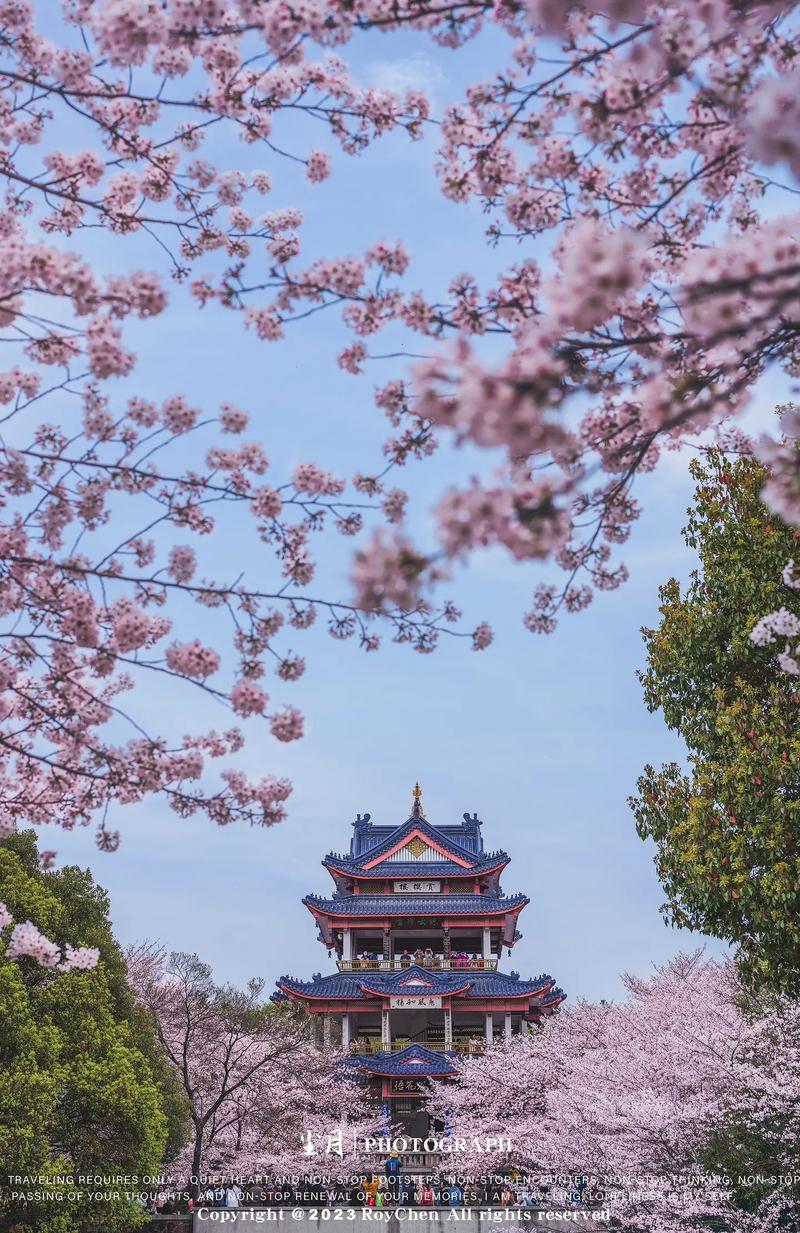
x=425, y=958
x=364, y=1046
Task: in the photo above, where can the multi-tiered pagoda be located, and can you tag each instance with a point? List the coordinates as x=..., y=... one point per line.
x=418, y=922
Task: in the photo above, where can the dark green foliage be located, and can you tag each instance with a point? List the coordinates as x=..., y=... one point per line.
x=727, y=828
x=83, y=1082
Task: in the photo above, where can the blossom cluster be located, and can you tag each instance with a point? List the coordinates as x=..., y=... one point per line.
x=28, y=941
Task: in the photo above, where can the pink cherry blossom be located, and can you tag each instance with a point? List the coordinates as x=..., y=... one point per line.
x=482, y=636
x=182, y=563
x=233, y=419
x=27, y=941
x=318, y=166
x=287, y=725
x=267, y=503
x=192, y=659
x=248, y=698
x=291, y=668
x=308, y=477
x=773, y=120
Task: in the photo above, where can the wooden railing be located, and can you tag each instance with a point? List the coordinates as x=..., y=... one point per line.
x=395, y=965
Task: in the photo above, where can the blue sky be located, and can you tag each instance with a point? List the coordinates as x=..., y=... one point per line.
x=542, y=737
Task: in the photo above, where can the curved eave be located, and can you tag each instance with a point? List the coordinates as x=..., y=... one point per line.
x=349, y=869
x=542, y=997
x=302, y=995
x=318, y=910
x=534, y=999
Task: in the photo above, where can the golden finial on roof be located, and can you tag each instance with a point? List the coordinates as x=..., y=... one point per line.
x=418, y=811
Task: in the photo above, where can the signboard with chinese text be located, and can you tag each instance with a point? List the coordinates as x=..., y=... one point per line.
x=416, y=1001
x=416, y=886
x=408, y=1085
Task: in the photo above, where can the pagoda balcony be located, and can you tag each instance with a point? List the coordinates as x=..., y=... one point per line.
x=395, y=965
x=369, y=1046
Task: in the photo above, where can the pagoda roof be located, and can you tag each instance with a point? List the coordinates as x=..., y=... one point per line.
x=415, y=847
x=440, y=851
x=478, y=985
x=456, y=850
x=411, y=1061
x=415, y=905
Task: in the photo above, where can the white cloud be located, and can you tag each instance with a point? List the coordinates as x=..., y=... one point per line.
x=415, y=73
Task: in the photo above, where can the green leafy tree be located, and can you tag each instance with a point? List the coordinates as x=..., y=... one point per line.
x=727, y=825
x=84, y=1087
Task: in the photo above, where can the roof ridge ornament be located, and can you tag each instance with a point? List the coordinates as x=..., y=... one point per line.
x=416, y=810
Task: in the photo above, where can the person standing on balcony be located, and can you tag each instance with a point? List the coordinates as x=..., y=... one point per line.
x=472, y=1195
x=394, y=1165
x=455, y=1195
x=507, y=1196
x=427, y=958
x=405, y=959
x=393, y=1168
x=426, y=1196
x=233, y=1195
x=408, y=1191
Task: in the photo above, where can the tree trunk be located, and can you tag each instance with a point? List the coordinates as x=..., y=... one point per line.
x=197, y=1160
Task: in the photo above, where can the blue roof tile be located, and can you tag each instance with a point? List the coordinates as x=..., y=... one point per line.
x=348, y=985
x=416, y=979
x=413, y=1061
x=368, y=837
x=415, y=905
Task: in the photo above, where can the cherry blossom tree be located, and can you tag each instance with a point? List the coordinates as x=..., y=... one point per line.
x=647, y=1090
x=639, y=141
x=100, y=517
x=262, y=1099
